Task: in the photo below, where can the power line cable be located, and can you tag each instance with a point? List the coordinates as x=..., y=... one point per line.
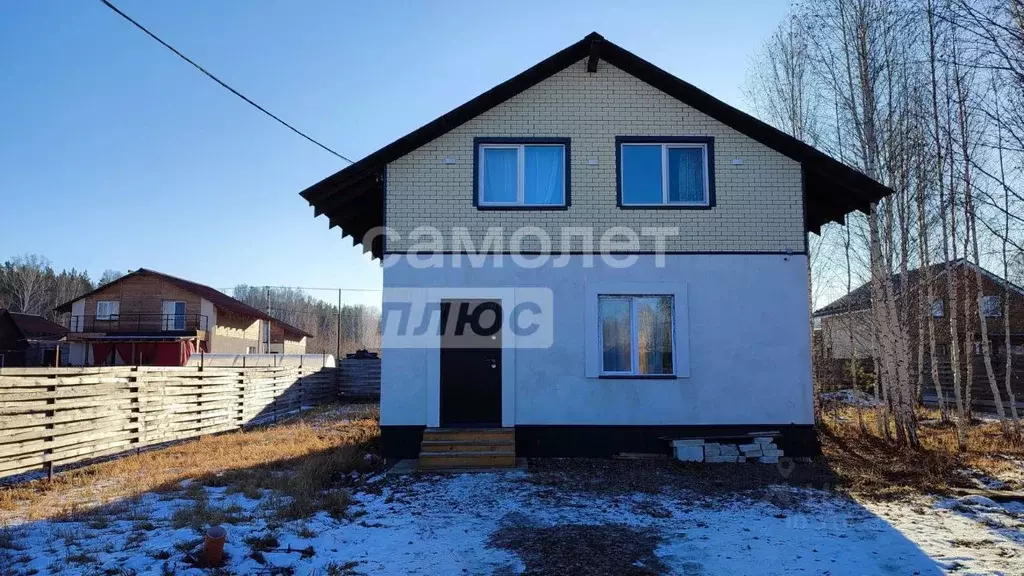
x=221, y=82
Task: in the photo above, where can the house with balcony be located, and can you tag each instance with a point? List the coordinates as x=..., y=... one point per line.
x=151, y=318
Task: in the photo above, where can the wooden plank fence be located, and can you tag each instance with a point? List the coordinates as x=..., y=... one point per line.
x=51, y=417
x=360, y=378
x=981, y=391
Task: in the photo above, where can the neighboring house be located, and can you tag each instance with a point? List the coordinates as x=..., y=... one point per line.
x=28, y=340
x=845, y=324
x=150, y=318
x=843, y=327
x=708, y=338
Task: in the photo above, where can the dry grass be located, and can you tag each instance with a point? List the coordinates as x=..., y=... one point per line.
x=300, y=457
x=867, y=463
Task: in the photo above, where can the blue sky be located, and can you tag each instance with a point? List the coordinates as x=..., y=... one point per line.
x=116, y=154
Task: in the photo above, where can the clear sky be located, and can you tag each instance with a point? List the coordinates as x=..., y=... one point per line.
x=116, y=154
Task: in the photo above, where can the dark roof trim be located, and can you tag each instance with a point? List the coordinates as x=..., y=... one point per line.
x=448, y=122
x=595, y=55
x=834, y=188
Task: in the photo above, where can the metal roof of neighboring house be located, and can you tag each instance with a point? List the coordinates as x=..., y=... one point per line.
x=860, y=298
x=35, y=327
x=219, y=299
x=353, y=198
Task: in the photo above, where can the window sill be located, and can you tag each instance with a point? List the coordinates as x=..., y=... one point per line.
x=666, y=206
x=545, y=207
x=638, y=377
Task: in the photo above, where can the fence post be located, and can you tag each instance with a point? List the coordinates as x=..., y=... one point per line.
x=50, y=415
x=240, y=414
x=135, y=401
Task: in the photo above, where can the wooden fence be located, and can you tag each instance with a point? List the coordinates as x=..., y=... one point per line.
x=360, y=378
x=982, y=399
x=55, y=416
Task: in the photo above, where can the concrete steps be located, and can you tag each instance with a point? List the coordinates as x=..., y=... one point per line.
x=450, y=448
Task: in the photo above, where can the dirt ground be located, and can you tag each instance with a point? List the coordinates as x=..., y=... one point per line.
x=602, y=517
x=310, y=496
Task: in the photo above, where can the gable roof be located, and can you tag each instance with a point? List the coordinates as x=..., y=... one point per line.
x=219, y=299
x=34, y=327
x=860, y=298
x=353, y=198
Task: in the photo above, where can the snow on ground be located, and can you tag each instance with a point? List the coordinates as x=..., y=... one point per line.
x=849, y=396
x=443, y=524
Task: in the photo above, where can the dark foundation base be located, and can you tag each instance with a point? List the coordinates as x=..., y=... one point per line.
x=538, y=441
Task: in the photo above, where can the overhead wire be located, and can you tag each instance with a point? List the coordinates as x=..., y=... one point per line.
x=221, y=82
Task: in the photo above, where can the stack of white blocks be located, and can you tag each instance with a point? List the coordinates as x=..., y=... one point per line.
x=763, y=449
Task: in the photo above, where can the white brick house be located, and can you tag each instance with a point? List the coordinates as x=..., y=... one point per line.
x=703, y=331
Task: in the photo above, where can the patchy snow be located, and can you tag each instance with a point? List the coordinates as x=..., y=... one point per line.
x=849, y=396
x=442, y=524
x=982, y=480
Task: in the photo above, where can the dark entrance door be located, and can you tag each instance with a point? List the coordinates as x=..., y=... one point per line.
x=470, y=363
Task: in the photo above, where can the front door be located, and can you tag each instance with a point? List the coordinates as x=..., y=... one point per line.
x=470, y=363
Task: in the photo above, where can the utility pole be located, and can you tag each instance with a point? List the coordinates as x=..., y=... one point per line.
x=267, y=340
x=337, y=358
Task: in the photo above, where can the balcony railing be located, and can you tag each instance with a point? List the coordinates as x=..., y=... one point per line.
x=138, y=323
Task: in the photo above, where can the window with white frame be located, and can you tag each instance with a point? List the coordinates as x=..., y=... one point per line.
x=938, y=308
x=511, y=174
x=107, y=309
x=990, y=306
x=665, y=174
x=636, y=335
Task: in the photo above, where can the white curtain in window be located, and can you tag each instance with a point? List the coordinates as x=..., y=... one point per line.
x=500, y=175
x=686, y=175
x=106, y=310
x=616, y=316
x=545, y=174
x=654, y=334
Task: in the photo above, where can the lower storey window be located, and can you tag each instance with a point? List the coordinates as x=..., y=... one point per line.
x=636, y=334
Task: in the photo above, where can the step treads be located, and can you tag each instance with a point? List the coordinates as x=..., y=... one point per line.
x=453, y=460
x=494, y=454
x=469, y=435
x=495, y=442
x=503, y=431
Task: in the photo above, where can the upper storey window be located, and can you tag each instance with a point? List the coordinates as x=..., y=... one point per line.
x=666, y=172
x=529, y=173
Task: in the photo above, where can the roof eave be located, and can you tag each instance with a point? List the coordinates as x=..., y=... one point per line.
x=843, y=190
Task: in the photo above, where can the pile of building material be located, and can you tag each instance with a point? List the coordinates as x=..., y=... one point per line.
x=758, y=448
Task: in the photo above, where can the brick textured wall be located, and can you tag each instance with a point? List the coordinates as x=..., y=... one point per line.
x=759, y=203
